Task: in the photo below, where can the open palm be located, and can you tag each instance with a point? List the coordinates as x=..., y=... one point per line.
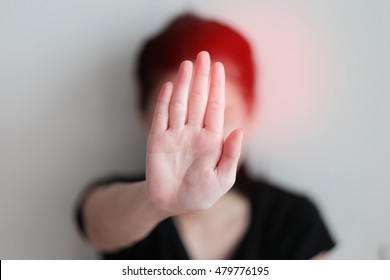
x=189, y=165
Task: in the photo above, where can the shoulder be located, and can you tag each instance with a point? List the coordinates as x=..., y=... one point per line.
x=285, y=205
x=291, y=221
x=270, y=194
x=277, y=197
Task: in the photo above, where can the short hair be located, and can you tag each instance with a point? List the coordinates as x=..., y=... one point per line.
x=182, y=39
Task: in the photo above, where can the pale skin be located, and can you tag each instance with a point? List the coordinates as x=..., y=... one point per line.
x=190, y=167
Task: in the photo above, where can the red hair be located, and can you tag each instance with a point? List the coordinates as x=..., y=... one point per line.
x=182, y=39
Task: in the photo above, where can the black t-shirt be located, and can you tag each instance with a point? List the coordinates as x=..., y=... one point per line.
x=283, y=225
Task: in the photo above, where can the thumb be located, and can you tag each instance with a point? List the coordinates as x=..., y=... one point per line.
x=227, y=165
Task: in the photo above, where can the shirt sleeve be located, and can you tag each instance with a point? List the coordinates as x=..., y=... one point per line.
x=307, y=234
x=102, y=182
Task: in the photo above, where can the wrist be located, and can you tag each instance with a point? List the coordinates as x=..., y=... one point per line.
x=156, y=209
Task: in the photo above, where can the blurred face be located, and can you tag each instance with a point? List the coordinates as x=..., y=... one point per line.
x=237, y=113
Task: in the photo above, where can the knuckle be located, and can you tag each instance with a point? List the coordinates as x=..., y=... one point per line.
x=215, y=105
x=197, y=96
x=229, y=180
x=159, y=115
x=177, y=105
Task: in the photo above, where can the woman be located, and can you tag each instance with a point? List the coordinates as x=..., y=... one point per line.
x=192, y=202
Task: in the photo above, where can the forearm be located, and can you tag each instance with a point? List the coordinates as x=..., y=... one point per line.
x=119, y=215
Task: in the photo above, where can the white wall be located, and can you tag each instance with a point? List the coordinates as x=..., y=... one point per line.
x=67, y=110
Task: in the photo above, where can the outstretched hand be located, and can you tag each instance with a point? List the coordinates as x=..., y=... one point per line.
x=189, y=165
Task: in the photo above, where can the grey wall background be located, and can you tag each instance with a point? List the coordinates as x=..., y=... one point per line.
x=67, y=111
